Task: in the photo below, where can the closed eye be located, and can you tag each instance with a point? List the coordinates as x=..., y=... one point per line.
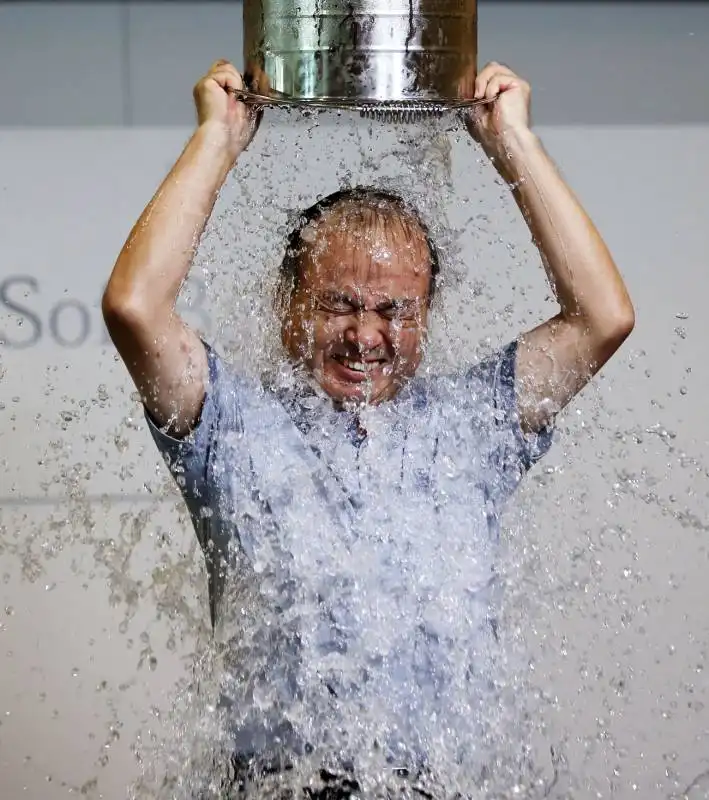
x=335, y=305
x=404, y=311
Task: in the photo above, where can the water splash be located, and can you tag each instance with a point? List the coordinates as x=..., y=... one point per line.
x=596, y=565
x=426, y=156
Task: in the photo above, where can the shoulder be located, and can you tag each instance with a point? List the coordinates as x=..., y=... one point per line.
x=225, y=394
x=227, y=387
x=487, y=383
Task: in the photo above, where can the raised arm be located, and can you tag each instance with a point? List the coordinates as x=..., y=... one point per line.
x=163, y=355
x=558, y=358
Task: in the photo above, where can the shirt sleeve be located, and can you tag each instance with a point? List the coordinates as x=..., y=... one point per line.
x=514, y=451
x=188, y=457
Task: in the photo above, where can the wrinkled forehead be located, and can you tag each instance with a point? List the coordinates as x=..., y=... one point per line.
x=368, y=249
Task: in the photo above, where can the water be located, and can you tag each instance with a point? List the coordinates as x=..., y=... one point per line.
x=579, y=634
x=476, y=738
x=462, y=735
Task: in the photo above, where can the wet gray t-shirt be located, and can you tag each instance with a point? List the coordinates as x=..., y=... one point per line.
x=351, y=557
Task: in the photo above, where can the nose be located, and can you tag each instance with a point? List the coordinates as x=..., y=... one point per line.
x=365, y=331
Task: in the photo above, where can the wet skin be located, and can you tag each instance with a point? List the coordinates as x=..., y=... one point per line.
x=358, y=314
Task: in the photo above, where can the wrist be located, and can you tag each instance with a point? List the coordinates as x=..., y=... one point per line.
x=518, y=145
x=215, y=140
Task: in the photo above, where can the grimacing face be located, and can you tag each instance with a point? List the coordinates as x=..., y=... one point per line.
x=358, y=314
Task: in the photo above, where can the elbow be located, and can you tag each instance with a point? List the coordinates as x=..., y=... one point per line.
x=615, y=327
x=121, y=311
x=623, y=322
x=114, y=307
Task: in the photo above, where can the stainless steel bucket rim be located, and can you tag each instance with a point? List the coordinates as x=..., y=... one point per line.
x=438, y=104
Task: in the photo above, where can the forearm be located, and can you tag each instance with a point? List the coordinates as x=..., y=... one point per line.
x=580, y=268
x=557, y=358
x=159, y=251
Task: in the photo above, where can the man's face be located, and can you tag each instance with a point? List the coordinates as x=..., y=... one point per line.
x=357, y=317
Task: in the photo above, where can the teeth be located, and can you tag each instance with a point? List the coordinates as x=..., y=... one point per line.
x=359, y=366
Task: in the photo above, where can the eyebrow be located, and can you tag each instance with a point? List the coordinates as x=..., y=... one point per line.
x=385, y=304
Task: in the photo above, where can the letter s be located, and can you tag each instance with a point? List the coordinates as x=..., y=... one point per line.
x=24, y=313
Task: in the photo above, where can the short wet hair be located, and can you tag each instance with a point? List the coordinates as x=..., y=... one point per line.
x=296, y=245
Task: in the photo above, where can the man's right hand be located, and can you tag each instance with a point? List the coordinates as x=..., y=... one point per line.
x=230, y=120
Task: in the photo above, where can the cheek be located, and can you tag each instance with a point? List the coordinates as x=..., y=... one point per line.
x=407, y=342
x=313, y=336
x=329, y=332
x=298, y=333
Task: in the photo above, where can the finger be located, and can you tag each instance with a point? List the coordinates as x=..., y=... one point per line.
x=228, y=79
x=482, y=78
x=509, y=79
x=486, y=86
x=490, y=70
x=501, y=83
x=221, y=67
x=479, y=89
x=485, y=76
x=229, y=67
x=492, y=90
x=218, y=64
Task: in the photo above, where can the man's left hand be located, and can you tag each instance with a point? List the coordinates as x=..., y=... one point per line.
x=506, y=113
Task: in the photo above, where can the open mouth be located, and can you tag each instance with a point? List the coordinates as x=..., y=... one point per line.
x=358, y=369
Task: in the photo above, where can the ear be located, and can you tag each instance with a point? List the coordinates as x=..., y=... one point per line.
x=293, y=334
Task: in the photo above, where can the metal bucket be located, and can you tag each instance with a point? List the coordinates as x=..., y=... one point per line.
x=370, y=55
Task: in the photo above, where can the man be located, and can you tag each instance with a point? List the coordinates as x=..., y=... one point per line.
x=348, y=508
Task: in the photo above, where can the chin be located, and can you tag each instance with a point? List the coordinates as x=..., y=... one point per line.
x=342, y=392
